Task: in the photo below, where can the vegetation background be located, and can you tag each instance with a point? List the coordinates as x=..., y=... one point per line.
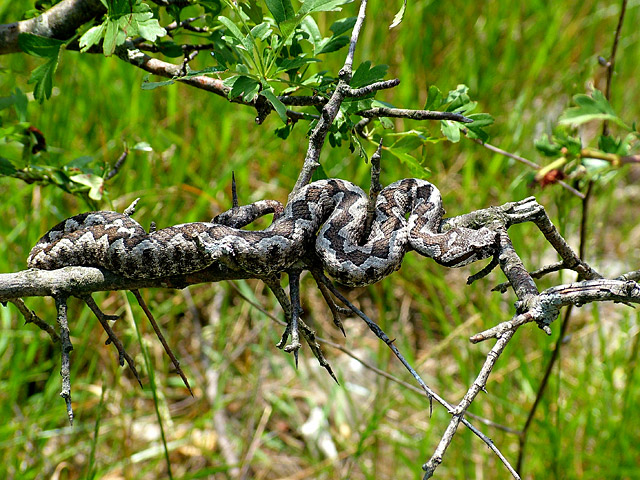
x=523, y=62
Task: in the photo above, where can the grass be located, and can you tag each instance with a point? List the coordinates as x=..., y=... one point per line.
x=523, y=64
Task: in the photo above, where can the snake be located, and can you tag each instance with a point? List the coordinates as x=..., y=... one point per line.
x=328, y=217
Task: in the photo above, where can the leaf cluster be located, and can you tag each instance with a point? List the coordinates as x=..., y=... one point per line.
x=124, y=19
x=264, y=52
x=578, y=154
x=24, y=155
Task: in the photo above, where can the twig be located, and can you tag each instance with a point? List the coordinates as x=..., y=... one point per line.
x=458, y=413
x=308, y=334
x=165, y=345
x=116, y=166
x=539, y=273
x=374, y=190
x=31, y=317
x=65, y=347
x=384, y=373
x=429, y=393
x=112, y=337
x=412, y=114
x=335, y=312
x=373, y=326
x=186, y=24
x=330, y=110
x=522, y=438
x=370, y=89
x=525, y=289
x=296, y=311
x=523, y=160
x=612, y=61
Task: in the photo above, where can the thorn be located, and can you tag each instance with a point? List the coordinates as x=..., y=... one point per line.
x=131, y=209
x=295, y=356
x=152, y=227
x=234, y=192
x=328, y=368
x=67, y=399
x=342, y=329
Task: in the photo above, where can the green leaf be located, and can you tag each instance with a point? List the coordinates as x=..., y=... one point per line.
x=281, y=110
x=110, y=38
x=399, y=16
x=283, y=131
x=408, y=143
x=366, y=75
x=170, y=49
x=311, y=6
x=42, y=76
x=609, y=144
x=451, y=130
x=150, y=29
x=261, y=31
x=386, y=123
x=475, y=129
x=212, y=7
x=294, y=63
x=236, y=34
x=6, y=167
x=80, y=162
x=252, y=10
x=589, y=108
x=309, y=26
x=91, y=37
x=37, y=46
x=434, y=98
x=343, y=26
x=245, y=86
x=147, y=85
x=332, y=44
x=281, y=10
x=480, y=120
x=94, y=182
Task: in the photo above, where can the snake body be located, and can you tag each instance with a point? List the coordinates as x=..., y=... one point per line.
x=328, y=215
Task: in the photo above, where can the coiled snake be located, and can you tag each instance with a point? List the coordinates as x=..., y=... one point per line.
x=330, y=213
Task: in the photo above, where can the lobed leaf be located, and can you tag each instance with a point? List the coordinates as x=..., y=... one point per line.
x=366, y=75
x=399, y=16
x=43, y=47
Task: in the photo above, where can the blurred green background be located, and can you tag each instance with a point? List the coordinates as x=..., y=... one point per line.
x=523, y=61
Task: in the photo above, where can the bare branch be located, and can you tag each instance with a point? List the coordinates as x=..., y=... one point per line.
x=413, y=114
x=112, y=337
x=31, y=317
x=331, y=109
x=165, y=345
x=65, y=348
x=60, y=22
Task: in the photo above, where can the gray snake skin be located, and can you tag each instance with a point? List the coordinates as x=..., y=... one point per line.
x=328, y=213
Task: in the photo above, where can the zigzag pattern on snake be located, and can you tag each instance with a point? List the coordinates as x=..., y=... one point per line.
x=328, y=215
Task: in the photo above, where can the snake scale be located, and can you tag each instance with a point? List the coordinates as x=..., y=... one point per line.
x=328, y=215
